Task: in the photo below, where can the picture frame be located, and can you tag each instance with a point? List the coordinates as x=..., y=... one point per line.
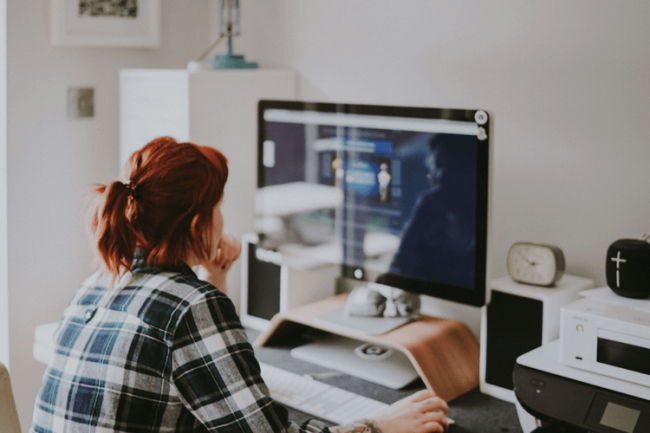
x=106, y=23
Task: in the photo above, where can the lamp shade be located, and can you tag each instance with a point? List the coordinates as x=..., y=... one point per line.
x=229, y=17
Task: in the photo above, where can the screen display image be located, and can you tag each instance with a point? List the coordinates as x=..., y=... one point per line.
x=620, y=417
x=395, y=195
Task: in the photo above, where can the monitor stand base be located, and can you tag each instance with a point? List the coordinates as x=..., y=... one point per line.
x=362, y=324
x=367, y=361
x=443, y=352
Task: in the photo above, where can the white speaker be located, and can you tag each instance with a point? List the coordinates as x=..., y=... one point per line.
x=518, y=319
x=272, y=283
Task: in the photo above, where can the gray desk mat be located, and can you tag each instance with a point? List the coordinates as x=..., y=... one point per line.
x=473, y=412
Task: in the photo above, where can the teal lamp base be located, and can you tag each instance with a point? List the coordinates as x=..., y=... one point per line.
x=232, y=61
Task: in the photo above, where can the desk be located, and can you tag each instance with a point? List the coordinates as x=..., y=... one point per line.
x=473, y=412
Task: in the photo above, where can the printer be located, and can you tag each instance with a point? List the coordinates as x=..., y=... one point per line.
x=607, y=334
x=564, y=399
x=596, y=377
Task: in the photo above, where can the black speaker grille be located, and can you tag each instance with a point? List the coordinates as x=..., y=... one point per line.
x=627, y=356
x=263, y=286
x=514, y=327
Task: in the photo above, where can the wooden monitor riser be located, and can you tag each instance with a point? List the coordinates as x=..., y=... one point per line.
x=444, y=352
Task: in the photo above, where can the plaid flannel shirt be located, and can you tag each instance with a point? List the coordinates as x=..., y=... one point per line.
x=165, y=353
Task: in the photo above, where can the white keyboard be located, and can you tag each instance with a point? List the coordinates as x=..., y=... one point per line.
x=317, y=398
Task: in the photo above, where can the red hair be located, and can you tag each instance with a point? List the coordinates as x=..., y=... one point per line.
x=164, y=207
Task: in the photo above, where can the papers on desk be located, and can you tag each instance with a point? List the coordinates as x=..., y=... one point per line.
x=375, y=244
x=302, y=244
x=308, y=257
x=296, y=197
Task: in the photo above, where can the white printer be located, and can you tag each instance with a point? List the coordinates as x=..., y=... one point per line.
x=596, y=377
x=607, y=334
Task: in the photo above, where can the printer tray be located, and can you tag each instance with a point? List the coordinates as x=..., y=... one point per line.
x=566, y=402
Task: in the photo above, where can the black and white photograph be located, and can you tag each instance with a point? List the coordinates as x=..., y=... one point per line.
x=105, y=23
x=109, y=8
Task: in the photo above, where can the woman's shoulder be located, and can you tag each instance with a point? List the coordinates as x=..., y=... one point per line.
x=195, y=291
x=90, y=291
x=153, y=297
x=164, y=296
x=189, y=290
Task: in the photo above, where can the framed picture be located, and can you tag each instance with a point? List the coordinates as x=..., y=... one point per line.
x=106, y=23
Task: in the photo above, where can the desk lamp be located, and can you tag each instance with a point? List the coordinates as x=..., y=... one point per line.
x=229, y=27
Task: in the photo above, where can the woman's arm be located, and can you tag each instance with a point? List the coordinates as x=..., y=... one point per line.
x=218, y=378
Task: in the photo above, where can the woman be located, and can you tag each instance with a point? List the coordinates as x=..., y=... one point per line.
x=144, y=345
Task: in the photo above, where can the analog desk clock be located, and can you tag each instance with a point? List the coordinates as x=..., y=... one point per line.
x=535, y=263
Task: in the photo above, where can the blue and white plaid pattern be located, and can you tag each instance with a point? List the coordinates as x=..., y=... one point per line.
x=163, y=352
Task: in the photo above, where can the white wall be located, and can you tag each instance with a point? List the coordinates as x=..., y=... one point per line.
x=4, y=286
x=53, y=161
x=566, y=82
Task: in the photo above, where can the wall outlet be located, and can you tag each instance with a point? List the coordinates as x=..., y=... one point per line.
x=81, y=102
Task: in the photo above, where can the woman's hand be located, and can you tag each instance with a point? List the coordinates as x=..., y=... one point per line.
x=228, y=250
x=422, y=412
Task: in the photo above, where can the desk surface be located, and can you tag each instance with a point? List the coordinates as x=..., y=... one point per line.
x=473, y=412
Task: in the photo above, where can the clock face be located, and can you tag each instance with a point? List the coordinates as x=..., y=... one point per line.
x=538, y=264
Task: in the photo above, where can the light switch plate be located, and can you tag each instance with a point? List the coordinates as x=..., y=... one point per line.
x=81, y=102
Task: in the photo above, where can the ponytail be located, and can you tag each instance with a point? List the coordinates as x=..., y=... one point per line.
x=116, y=235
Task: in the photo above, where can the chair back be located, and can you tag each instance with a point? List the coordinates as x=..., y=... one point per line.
x=8, y=415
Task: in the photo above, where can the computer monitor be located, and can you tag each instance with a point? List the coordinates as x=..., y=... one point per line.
x=396, y=195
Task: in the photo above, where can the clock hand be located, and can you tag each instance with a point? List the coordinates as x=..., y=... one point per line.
x=529, y=262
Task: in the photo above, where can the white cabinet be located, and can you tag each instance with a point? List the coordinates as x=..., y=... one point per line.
x=215, y=108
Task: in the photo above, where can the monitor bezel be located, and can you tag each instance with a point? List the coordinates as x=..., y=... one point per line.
x=470, y=296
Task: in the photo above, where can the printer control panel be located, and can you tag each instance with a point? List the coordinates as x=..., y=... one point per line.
x=559, y=400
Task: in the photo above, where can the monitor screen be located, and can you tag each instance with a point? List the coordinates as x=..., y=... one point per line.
x=396, y=195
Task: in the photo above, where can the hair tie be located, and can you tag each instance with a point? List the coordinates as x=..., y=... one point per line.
x=131, y=187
